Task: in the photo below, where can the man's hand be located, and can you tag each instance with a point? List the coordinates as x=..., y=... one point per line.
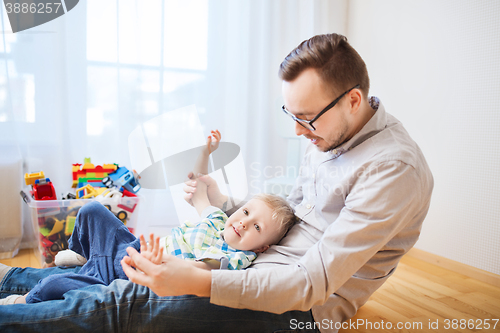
x=151, y=250
x=173, y=278
x=216, y=198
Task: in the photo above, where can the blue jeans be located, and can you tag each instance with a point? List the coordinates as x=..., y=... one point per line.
x=102, y=239
x=126, y=307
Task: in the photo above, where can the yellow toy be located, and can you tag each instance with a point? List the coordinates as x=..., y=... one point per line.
x=88, y=190
x=30, y=179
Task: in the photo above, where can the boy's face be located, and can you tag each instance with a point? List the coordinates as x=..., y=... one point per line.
x=251, y=228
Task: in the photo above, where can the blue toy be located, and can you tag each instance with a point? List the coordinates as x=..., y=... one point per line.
x=122, y=177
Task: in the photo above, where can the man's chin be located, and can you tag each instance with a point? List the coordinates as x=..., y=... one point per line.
x=326, y=149
x=322, y=148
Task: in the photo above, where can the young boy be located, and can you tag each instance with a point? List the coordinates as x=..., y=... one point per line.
x=215, y=242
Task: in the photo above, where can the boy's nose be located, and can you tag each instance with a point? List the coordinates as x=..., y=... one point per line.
x=242, y=224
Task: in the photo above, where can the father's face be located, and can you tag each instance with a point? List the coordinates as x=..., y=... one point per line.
x=305, y=97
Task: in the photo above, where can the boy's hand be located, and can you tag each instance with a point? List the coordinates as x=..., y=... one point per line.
x=213, y=141
x=151, y=250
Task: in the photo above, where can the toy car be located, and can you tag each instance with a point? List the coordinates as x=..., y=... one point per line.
x=122, y=178
x=44, y=190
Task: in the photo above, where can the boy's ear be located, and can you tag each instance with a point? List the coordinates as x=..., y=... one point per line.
x=261, y=249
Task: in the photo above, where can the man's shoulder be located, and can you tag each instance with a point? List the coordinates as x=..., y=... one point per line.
x=394, y=143
x=385, y=140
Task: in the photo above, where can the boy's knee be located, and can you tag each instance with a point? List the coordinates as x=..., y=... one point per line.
x=92, y=208
x=89, y=215
x=95, y=216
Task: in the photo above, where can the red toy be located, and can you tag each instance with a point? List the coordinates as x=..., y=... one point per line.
x=44, y=190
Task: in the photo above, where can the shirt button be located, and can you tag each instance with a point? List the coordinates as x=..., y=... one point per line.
x=308, y=206
x=334, y=152
x=314, y=175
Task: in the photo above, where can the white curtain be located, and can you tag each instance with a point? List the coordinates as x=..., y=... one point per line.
x=77, y=86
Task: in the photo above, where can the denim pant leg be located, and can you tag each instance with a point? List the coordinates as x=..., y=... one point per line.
x=127, y=307
x=19, y=281
x=55, y=286
x=102, y=239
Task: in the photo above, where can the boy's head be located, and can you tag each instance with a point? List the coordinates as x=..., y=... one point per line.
x=261, y=222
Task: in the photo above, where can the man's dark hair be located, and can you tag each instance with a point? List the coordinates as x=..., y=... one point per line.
x=337, y=63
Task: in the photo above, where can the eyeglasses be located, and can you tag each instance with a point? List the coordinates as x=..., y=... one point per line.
x=308, y=124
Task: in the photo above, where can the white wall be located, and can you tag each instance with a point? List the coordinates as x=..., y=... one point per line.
x=436, y=66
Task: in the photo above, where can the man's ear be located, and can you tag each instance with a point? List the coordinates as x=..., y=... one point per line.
x=355, y=96
x=261, y=249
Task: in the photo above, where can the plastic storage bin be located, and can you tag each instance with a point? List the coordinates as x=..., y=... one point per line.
x=54, y=220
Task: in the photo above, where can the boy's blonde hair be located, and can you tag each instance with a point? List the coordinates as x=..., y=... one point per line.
x=283, y=213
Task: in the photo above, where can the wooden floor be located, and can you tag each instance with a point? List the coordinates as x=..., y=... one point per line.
x=419, y=297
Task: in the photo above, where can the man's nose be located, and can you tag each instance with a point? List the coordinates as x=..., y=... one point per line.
x=300, y=130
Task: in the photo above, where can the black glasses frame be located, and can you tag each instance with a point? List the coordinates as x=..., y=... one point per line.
x=308, y=124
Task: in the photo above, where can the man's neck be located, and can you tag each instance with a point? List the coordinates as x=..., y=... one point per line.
x=365, y=114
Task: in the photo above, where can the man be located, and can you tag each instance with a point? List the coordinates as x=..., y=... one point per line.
x=361, y=196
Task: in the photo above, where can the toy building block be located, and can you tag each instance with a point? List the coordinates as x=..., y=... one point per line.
x=44, y=190
x=70, y=225
x=85, y=192
x=30, y=179
x=87, y=164
x=89, y=171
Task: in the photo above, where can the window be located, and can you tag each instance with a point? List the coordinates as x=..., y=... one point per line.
x=143, y=57
x=17, y=90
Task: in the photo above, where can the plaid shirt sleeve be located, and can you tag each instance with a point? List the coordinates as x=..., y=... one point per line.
x=204, y=241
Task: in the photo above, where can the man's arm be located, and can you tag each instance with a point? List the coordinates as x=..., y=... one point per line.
x=381, y=203
x=374, y=212
x=378, y=208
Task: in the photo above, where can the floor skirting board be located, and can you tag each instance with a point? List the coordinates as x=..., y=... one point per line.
x=456, y=266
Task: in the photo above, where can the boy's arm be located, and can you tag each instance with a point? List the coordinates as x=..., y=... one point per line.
x=200, y=197
x=206, y=264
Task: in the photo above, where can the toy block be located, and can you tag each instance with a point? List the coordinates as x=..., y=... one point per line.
x=85, y=192
x=30, y=179
x=70, y=225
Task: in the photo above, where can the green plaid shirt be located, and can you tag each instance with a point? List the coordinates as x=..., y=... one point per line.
x=203, y=240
